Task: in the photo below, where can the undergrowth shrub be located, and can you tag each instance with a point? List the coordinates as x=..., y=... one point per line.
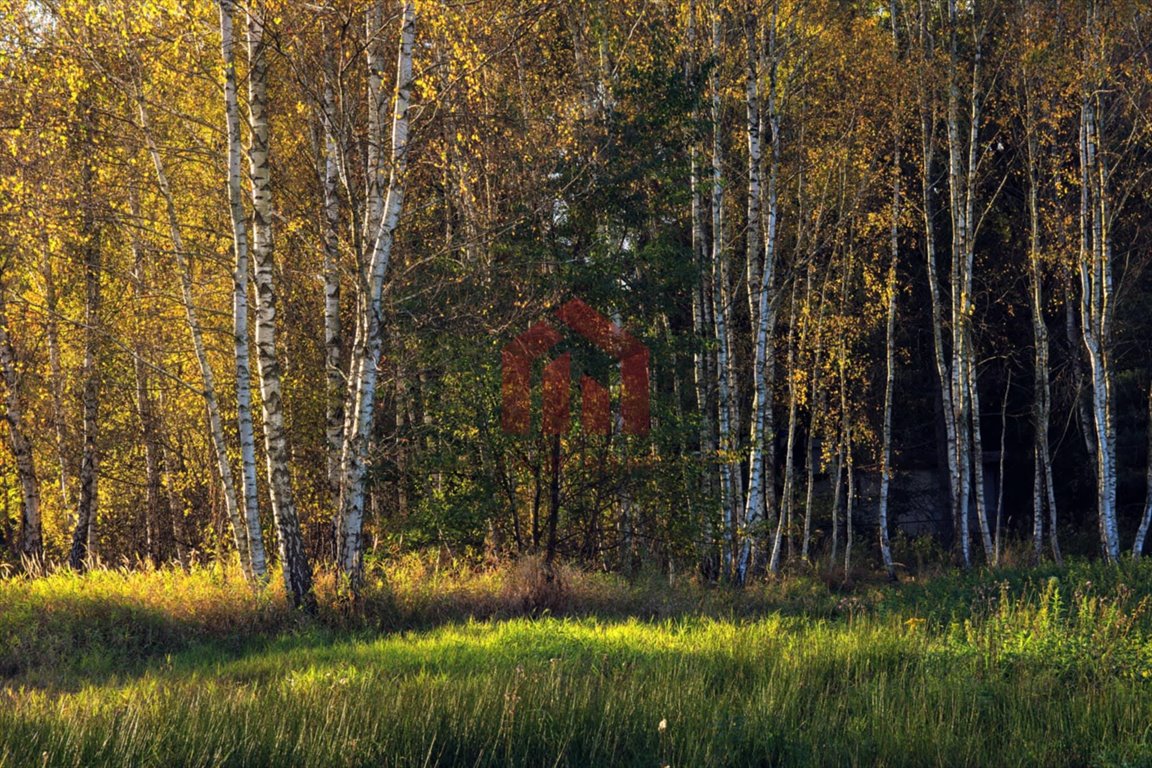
x=111, y=618
x=536, y=587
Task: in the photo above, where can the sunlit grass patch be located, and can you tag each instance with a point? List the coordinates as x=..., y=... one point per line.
x=989, y=671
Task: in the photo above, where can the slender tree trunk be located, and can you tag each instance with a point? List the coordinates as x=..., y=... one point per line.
x=145, y=408
x=1146, y=519
x=1043, y=493
x=890, y=336
x=55, y=372
x=1096, y=308
x=962, y=158
x=891, y=288
x=207, y=375
x=837, y=490
x=1000, y=476
x=297, y=571
x=245, y=430
x=31, y=536
x=366, y=351
x=957, y=209
x=978, y=464
x=1081, y=409
x=721, y=315
x=849, y=507
x=928, y=127
x=554, y=508
x=761, y=459
x=168, y=483
x=333, y=338
x=7, y=538
x=84, y=536
x=378, y=101
x=788, y=500
x=701, y=321
x=752, y=66
x=816, y=402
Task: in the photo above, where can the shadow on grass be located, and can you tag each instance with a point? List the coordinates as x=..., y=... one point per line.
x=63, y=639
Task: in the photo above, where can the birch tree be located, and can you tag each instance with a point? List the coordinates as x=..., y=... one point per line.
x=702, y=317
x=370, y=325
x=1096, y=288
x=145, y=402
x=929, y=104
x=890, y=291
x=329, y=173
x=240, y=273
x=961, y=190
x=297, y=571
x=241, y=534
x=31, y=535
x=83, y=537
x=1146, y=518
x=1033, y=63
x=722, y=315
x=760, y=470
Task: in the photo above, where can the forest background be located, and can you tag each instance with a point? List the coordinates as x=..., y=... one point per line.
x=259, y=262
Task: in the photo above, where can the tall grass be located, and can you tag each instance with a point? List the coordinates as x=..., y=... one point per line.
x=994, y=669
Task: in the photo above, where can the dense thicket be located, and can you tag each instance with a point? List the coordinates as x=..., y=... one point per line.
x=863, y=241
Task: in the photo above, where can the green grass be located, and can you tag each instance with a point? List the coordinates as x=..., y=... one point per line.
x=1044, y=668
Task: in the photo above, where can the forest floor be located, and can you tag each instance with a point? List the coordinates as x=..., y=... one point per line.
x=444, y=666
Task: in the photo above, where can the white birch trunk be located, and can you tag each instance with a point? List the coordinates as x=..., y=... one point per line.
x=850, y=491
x=31, y=535
x=55, y=371
x=245, y=430
x=1146, y=519
x=378, y=99
x=701, y=316
x=957, y=208
x=752, y=66
x=928, y=123
x=760, y=468
x=333, y=338
x=297, y=571
x=1043, y=494
x=1095, y=312
x=788, y=500
x=978, y=463
x=84, y=536
x=890, y=336
x=721, y=313
x=366, y=352
x=890, y=290
x=962, y=161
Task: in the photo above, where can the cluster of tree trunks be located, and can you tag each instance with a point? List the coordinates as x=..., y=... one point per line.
x=818, y=207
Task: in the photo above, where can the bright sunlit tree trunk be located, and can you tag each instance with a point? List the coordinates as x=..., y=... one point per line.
x=245, y=430
x=369, y=331
x=294, y=565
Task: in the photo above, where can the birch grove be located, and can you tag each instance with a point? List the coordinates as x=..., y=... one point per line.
x=264, y=263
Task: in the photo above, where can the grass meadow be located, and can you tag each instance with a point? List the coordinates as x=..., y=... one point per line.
x=450, y=666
